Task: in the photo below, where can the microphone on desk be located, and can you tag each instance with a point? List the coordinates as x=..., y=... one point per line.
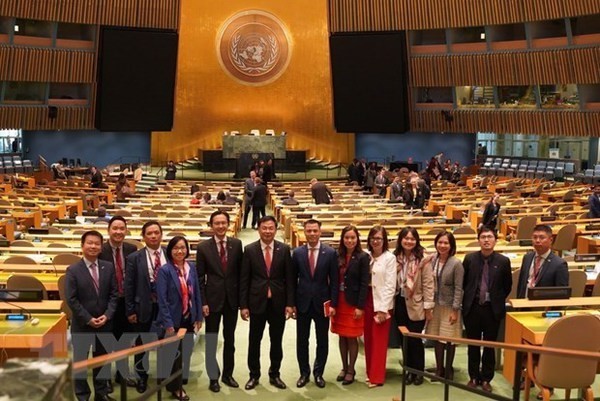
x=15, y=317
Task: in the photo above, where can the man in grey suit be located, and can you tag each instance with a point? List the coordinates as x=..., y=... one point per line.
x=115, y=251
x=141, y=305
x=267, y=290
x=91, y=294
x=542, y=268
x=316, y=267
x=218, y=261
x=248, y=189
x=320, y=192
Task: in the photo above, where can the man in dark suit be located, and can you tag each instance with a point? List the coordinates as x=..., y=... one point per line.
x=141, y=305
x=487, y=283
x=267, y=290
x=316, y=267
x=397, y=191
x=115, y=251
x=91, y=294
x=258, y=201
x=248, y=189
x=218, y=261
x=594, y=202
x=96, y=179
x=542, y=268
x=290, y=200
x=320, y=192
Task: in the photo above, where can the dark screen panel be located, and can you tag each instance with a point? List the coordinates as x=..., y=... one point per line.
x=136, y=79
x=369, y=74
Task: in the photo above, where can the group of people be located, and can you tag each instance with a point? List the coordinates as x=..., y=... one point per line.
x=353, y=291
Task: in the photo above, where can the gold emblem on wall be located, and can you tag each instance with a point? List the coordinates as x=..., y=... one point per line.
x=253, y=47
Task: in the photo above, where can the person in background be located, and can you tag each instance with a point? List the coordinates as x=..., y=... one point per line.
x=138, y=173
x=171, y=171
x=179, y=306
x=96, y=178
x=348, y=321
x=381, y=183
x=258, y=201
x=122, y=188
x=594, y=202
x=487, y=282
x=448, y=276
x=290, y=200
x=490, y=213
x=397, y=190
x=196, y=199
x=379, y=305
x=370, y=175
x=414, y=297
x=316, y=266
x=248, y=189
x=320, y=192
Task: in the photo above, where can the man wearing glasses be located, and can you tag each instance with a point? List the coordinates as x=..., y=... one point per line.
x=487, y=283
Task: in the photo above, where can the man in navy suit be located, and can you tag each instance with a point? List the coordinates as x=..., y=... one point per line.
x=316, y=267
x=115, y=251
x=267, y=291
x=218, y=261
x=542, y=268
x=141, y=305
x=92, y=296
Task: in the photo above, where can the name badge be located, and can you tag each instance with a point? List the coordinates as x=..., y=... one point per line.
x=342, y=287
x=487, y=297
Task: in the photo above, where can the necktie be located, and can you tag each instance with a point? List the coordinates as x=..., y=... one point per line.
x=185, y=298
x=223, y=255
x=483, y=287
x=311, y=261
x=95, y=278
x=119, y=269
x=268, y=264
x=536, y=270
x=156, y=264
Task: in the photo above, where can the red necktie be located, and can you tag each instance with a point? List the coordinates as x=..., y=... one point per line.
x=119, y=269
x=156, y=264
x=223, y=255
x=311, y=261
x=95, y=278
x=268, y=264
x=185, y=298
x=536, y=270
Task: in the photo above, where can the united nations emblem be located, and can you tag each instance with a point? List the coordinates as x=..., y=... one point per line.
x=253, y=47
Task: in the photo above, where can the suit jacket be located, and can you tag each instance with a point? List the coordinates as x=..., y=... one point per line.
x=422, y=297
x=356, y=279
x=107, y=252
x=137, y=286
x=500, y=281
x=449, y=288
x=168, y=292
x=290, y=202
x=383, y=282
x=321, y=193
x=490, y=215
x=323, y=286
x=254, y=280
x=259, y=196
x=415, y=201
x=594, y=202
x=553, y=273
x=217, y=285
x=82, y=298
x=248, y=189
x=397, y=191
x=96, y=179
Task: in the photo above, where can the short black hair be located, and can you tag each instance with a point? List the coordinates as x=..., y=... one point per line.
x=150, y=223
x=264, y=219
x=312, y=221
x=174, y=242
x=545, y=228
x=92, y=233
x=116, y=218
x=218, y=213
x=486, y=229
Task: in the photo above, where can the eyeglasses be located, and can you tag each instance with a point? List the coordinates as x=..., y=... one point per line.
x=179, y=249
x=374, y=239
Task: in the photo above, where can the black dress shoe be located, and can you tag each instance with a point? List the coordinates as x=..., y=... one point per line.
x=109, y=387
x=214, y=386
x=230, y=381
x=105, y=397
x=128, y=382
x=302, y=381
x=277, y=382
x=184, y=397
x=410, y=378
x=251, y=384
x=141, y=386
x=418, y=380
x=319, y=381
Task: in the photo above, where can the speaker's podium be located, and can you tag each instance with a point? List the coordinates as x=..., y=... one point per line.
x=245, y=162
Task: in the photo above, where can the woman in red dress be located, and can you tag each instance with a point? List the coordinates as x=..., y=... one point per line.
x=348, y=321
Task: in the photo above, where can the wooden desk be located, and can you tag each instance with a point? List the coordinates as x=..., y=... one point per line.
x=588, y=244
x=44, y=340
x=7, y=228
x=50, y=280
x=555, y=303
x=40, y=307
x=32, y=218
x=18, y=268
x=530, y=328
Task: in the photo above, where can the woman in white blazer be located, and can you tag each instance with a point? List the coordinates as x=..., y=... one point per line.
x=379, y=305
